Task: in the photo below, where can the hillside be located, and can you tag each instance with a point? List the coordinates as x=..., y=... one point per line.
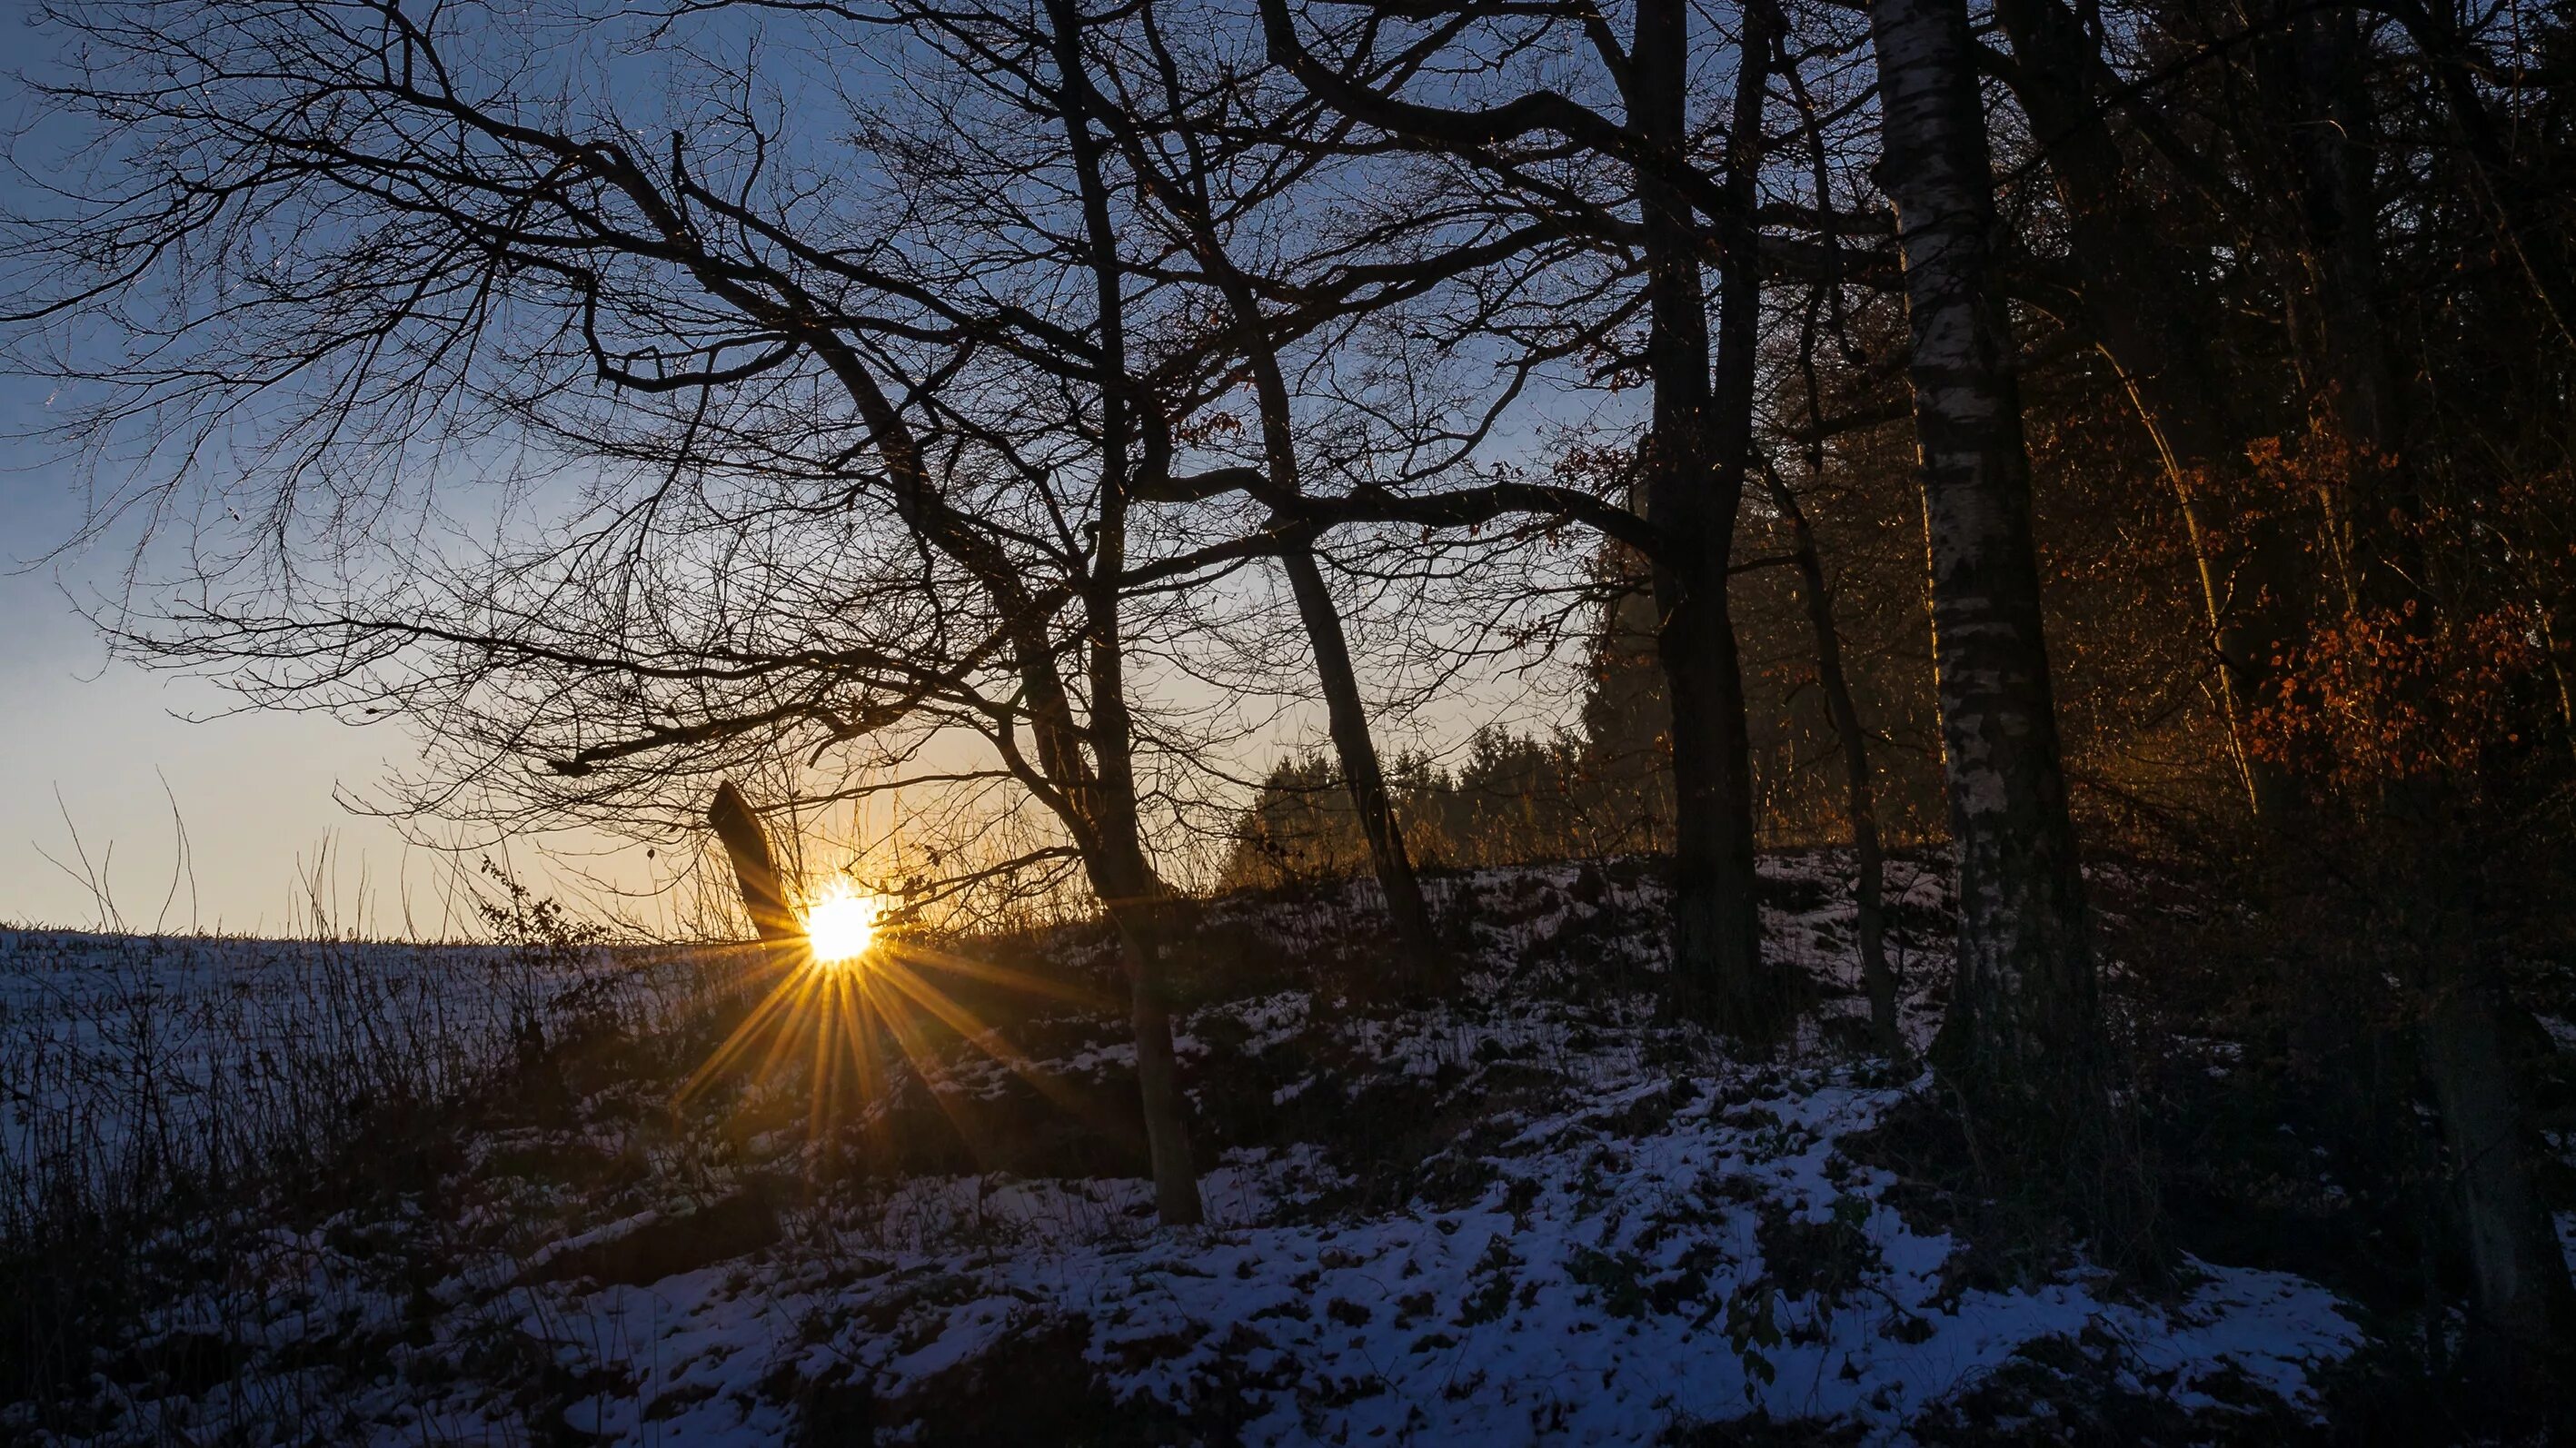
x=1521, y=1211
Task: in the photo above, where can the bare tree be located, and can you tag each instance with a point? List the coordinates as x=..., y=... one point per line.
x=1693, y=465
x=1187, y=202
x=812, y=496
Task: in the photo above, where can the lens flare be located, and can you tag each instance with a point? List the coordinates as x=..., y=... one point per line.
x=841, y=925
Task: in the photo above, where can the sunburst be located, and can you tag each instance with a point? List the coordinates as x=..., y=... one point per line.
x=841, y=926
x=855, y=992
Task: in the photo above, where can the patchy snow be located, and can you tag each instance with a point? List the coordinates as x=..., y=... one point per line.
x=1527, y=1213
x=2562, y=1032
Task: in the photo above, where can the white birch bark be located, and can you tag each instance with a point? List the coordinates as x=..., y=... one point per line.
x=2024, y=1028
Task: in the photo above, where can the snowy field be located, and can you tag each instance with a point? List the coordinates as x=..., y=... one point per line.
x=1526, y=1214
x=127, y=1059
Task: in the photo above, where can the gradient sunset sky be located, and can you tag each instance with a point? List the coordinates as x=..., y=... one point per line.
x=255, y=791
x=95, y=752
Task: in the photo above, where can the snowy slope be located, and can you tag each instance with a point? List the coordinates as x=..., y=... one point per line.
x=1528, y=1213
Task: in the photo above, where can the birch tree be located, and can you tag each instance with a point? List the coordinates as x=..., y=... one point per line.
x=2023, y=1039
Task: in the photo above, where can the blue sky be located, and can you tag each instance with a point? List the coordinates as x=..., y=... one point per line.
x=102, y=747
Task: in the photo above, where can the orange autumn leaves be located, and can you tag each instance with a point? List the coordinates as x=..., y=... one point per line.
x=2385, y=693
x=2431, y=684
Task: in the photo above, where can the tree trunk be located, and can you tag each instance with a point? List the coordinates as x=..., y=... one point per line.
x=2023, y=1039
x=1151, y=931
x=2518, y=1287
x=1346, y=713
x=1860, y=803
x=1115, y=856
x=1755, y=1002
x=1347, y=716
x=1716, y=920
x=755, y=872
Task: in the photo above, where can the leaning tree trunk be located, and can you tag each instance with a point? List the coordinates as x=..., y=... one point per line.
x=2023, y=1041
x=755, y=873
x=1346, y=714
x=1716, y=921
x=1860, y=801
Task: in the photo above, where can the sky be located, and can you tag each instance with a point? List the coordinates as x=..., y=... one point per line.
x=91, y=745
x=96, y=753
x=105, y=767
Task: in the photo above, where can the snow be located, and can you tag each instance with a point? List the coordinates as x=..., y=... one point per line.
x=1631, y=1231
x=2562, y=1032
x=127, y=1059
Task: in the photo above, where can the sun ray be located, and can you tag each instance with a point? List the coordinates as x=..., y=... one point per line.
x=962, y=1021
x=917, y=1049
x=858, y=1018
x=808, y=985
x=818, y=1116
x=1067, y=991
x=741, y=1037
x=858, y=991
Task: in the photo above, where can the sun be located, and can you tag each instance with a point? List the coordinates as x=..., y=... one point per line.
x=841, y=925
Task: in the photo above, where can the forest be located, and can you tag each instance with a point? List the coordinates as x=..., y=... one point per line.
x=1273, y=596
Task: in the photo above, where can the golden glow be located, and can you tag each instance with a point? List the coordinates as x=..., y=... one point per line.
x=850, y=1031
x=841, y=925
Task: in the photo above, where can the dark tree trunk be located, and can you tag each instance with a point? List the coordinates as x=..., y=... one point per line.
x=1716, y=921
x=755, y=871
x=2023, y=1041
x=1860, y=801
x=1114, y=853
x=1152, y=930
x=1096, y=806
x=1691, y=497
x=1347, y=715
x=2519, y=1294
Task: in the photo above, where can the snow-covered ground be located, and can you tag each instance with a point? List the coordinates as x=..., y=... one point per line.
x=127, y=1055
x=1527, y=1213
